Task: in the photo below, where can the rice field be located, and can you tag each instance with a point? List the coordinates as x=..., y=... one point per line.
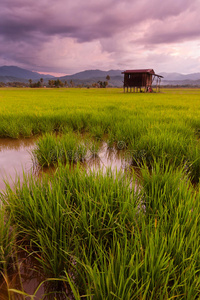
x=129, y=234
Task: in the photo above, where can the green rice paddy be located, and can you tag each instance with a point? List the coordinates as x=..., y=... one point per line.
x=132, y=234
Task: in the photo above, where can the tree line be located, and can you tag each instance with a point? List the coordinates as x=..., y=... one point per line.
x=59, y=83
x=56, y=83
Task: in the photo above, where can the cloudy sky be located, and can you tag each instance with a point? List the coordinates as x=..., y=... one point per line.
x=68, y=36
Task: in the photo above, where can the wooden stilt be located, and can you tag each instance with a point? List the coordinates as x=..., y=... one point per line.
x=159, y=83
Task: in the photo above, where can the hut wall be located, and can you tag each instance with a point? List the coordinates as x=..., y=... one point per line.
x=137, y=79
x=149, y=80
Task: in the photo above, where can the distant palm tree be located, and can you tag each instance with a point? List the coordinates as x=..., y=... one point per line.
x=51, y=83
x=107, y=78
x=41, y=80
x=30, y=82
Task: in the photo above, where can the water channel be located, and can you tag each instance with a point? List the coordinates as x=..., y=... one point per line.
x=16, y=159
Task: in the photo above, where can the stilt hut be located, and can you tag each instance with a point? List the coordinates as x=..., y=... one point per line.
x=135, y=80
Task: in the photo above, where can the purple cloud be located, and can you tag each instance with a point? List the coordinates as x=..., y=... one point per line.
x=120, y=28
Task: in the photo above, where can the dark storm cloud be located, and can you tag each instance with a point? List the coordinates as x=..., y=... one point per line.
x=84, y=20
x=182, y=27
x=26, y=25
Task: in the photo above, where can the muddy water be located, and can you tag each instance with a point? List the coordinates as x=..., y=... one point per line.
x=16, y=159
x=24, y=278
x=106, y=157
x=28, y=279
x=15, y=156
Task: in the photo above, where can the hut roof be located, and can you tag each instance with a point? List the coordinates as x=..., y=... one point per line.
x=149, y=71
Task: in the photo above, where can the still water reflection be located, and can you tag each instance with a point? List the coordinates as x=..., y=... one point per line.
x=15, y=157
x=15, y=160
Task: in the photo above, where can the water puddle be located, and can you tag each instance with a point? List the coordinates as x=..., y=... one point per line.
x=106, y=158
x=28, y=279
x=15, y=158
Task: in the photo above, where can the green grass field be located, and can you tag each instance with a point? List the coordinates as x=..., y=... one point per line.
x=107, y=235
x=25, y=112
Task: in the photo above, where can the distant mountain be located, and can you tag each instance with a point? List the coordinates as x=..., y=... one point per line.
x=13, y=71
x=116, y=78
x=192, y=79
x=178, y=76
x=185, y=82
x=6, y=79
x=115, y=81
x=91, y=74
x=88, y=77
